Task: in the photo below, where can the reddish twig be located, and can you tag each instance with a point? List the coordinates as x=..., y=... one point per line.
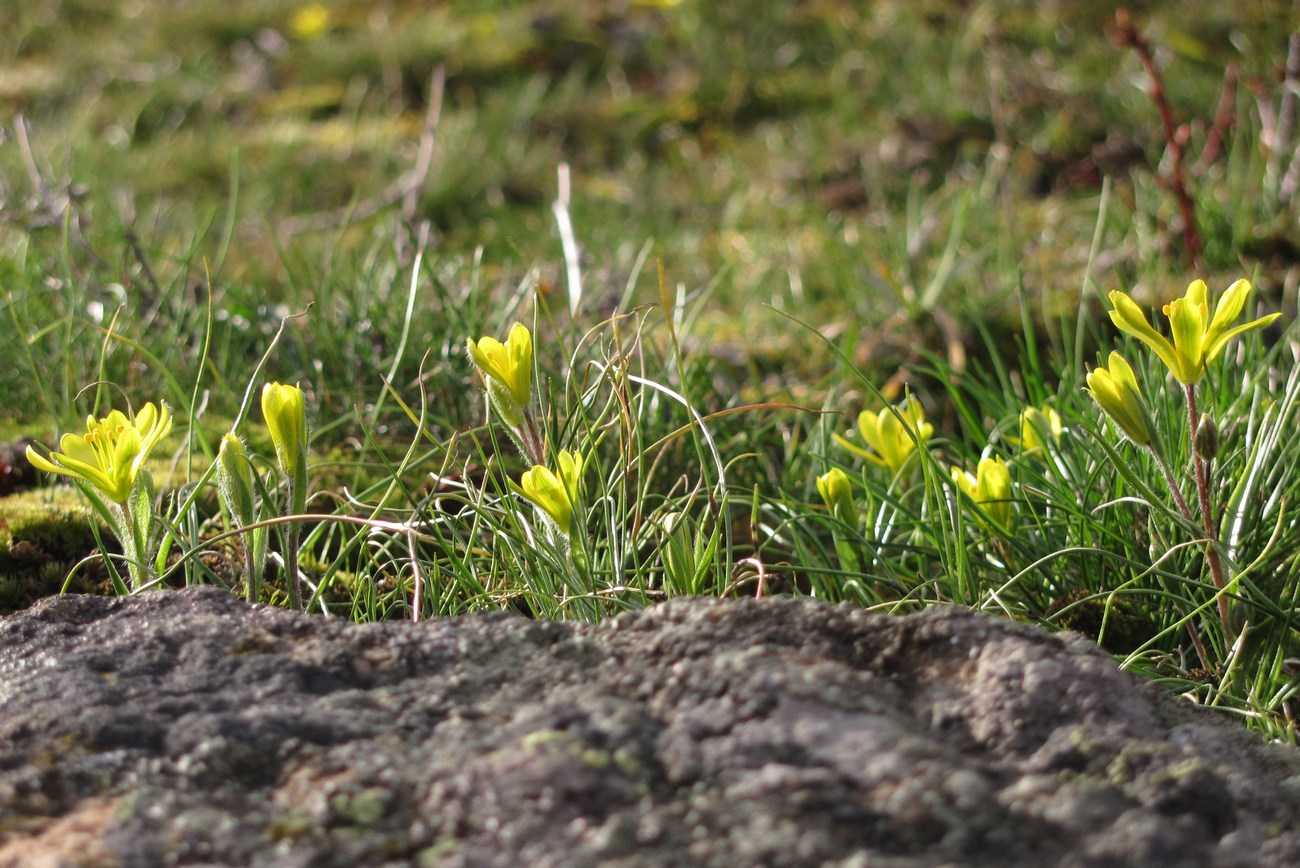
x=1224, y=117
x=1129, y=36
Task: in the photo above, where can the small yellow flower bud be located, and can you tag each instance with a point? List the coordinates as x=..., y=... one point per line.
x=837, y=492
x=556, y=494
x=507, y=370
x=989, y=487
x=284, y=409
x=1037, y=427
x=1116, y=390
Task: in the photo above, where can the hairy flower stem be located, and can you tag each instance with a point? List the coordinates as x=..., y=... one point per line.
x=293, y=582
x=1202, y=472
x=136, y=566
x=531, y=440
x=1187, y=514
x=249, y=569
x=1172, y=485
x=297, y=506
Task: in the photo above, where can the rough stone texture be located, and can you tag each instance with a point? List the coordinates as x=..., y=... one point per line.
x=188, y=728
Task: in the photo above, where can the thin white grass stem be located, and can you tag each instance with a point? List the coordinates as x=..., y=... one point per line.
x=572, y=271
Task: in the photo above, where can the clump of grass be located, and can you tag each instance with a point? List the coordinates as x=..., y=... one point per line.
x=582, y=486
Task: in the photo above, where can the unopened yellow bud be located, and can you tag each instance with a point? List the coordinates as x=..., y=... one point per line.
x=1115, y=389
x=837, y=492
x=989, y=487
x=284, y=409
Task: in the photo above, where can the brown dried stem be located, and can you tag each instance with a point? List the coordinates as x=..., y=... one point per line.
x=1129, y=36
x=1224, y=117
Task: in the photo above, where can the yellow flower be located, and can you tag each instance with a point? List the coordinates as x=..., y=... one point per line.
x=556, y=494
x=1198, y=337
x=835, y=489
x=990, y=487
x=1035, y=422
x=310, y=21
x=893, y=434
x=1116, y=391
x=284, y=409
x=508, y=370
x=112, y=452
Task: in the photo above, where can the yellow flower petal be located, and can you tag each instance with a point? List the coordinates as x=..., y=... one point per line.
x=571, y=466
x=1129, y=318
x=1213, y=349
x=1187, y=322
x=41, y=463
x=1229, y=306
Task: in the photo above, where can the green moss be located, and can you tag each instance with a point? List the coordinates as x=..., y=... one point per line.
x=290, y=827
x=364, y=808
x=44, y=533
x=442, y=850
x=1120, y=624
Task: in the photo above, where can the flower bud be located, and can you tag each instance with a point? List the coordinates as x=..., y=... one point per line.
x=1038, y=425
x=285, y=412
x=837, y=492
x=989, y=487
x=1206, y=441
x=556, y=494
x=507, y=370
x=1115, y=389
x=235, y=480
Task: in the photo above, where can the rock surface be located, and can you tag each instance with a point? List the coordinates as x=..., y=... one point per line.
x=188, y=728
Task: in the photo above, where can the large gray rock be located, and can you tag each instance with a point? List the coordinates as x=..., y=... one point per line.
x=186, y=727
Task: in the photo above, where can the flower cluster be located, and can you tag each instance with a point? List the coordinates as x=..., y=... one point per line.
x=1198, y=336
x=895, y=437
